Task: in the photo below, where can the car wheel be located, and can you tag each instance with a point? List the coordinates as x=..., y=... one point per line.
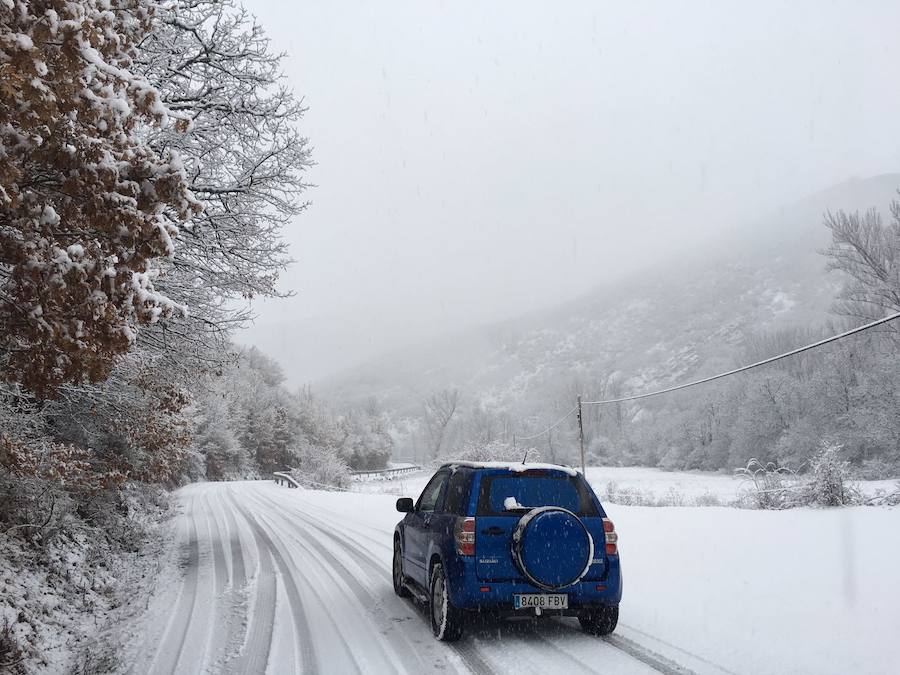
x=446, y=620
x=600, y=621
x=399, y=587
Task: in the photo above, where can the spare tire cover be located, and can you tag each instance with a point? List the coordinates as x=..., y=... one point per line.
x=552, y=547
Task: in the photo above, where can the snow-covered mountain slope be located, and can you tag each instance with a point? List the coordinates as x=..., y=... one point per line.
x=690, y=317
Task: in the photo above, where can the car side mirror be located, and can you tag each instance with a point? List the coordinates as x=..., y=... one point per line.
x=405, y=505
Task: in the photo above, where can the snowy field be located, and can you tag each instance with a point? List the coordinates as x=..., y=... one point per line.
x=676, y=487
x=266, y=578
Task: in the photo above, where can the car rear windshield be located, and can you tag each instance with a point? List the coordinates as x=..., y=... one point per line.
x=530, y=490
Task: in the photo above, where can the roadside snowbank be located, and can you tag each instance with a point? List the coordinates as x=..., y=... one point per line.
x=58, y=597
x=806, y=590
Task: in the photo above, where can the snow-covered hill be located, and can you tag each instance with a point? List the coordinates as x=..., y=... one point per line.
x=690, y=317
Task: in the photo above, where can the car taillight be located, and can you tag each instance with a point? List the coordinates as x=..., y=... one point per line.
x=464, y=533
x=612, y=539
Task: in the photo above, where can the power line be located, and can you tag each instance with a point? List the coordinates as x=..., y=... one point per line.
x=772, y=359
x=548, y=429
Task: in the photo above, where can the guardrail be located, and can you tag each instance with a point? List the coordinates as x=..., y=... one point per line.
x=384, y=474
x=281, y=477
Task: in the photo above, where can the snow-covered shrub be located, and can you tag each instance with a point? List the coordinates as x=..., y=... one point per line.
x=776, y=487
x=885, y=497
x=768, y=486
x=627, y=496
x=610, y=492
x=631, y=496
x=707, y=499
x=10, y=651
x=829, y=479
x=320, y=467
x=66, y=559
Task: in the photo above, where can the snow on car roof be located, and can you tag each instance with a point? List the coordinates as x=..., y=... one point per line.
x=518, y=467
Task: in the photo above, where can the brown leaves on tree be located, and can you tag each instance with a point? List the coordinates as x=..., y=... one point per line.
x=86, y=205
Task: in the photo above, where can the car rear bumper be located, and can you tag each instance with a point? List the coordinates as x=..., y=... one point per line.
x=469, y=593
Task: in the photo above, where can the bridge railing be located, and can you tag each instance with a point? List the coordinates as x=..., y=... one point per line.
x=385, y=474
x=284, y=478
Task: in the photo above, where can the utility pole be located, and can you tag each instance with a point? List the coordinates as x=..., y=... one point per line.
x=581, y=436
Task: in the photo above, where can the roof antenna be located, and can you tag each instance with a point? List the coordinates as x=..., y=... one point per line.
x=525, y=456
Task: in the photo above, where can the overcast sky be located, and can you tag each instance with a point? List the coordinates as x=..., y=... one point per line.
x=480, y=159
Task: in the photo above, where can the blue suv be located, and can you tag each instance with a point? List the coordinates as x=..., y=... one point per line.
x=509, y=539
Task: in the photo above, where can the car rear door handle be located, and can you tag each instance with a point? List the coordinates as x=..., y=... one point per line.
x=493, y=530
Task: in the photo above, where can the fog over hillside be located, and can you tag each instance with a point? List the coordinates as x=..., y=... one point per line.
x=475, y=163
x=665, y=322
x=690, y=316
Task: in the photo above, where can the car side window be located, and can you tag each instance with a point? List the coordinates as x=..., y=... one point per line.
x=457, y=493
x=432, y=492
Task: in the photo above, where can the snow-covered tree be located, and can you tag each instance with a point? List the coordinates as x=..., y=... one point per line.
x=868, y=252
x=135, y=424
x=367, y=445
x=244, y=158
x=215, y=440
x=439, y=410
x=88, y=208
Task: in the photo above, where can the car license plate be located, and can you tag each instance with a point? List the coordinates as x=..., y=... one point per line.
x=541, y=600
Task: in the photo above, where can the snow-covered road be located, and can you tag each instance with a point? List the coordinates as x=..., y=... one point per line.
x=262, y=578
x=267, y=579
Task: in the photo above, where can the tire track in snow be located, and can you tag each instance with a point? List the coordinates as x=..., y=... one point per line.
x=217, y=639
x=237, y=595
x=293, y=560
x=301, y=627
x=372, y=605
x=320, y=585
x=227, y=617
x=470, y=656
x=195, y=654
x=560, y=651
x=318, y=575
x=466, y=651
x=166, y=656
x=633, y=649
x=378, y=540
x=669, y=645
x=648, y=656
x=238, y=566
x=523, y=647
x=253, y=656
x=220, y=567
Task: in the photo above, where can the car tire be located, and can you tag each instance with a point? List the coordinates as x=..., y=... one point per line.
x=601, y=621
x=446, y=620
x=397, y=572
